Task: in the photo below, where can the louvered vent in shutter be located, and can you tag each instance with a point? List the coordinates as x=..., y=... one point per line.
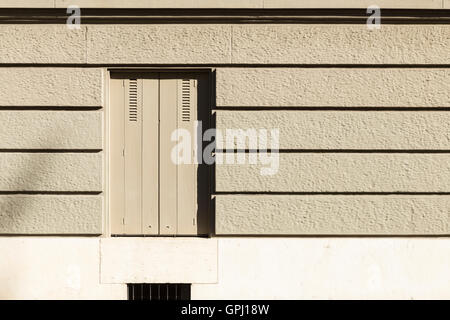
x=186, y=100
x=133, y=100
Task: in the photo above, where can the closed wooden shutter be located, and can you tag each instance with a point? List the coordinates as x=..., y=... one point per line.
x=150, y=193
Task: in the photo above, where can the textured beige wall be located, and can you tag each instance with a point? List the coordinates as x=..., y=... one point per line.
x=27, y=3
x=56, y=86
x=340, y=44
x=395, y=268
x=360, y=130
x=42, y=43
x=340, y=172
x=226, y=43
x=333, y=87
x=271, y=44
x=51, y=129
x=152, y=44
x=51, y=172
x=31, y=119
x=47, y=86
x=51, y=214
x=328, y=215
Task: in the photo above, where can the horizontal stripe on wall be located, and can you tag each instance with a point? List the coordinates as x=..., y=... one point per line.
x=339, y=172
x=225, y=44
x=333, y=87
x=51, y=130
x=268, y=44
x=361, y=130
x=332, y=215
x=340, y=44
x=51, y=87
x=64, y=172
x=44, y=214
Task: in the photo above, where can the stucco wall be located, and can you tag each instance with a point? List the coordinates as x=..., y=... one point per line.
x=361, y=111
x=330, y=268
x=364, y=139
x=51, y=158
x=259, y=44
x=243, y=268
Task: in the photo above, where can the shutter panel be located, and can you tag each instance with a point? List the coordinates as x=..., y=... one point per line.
x=133, y=157
x=186, y=173
x=150, y=154
x=168, y=169
x=117, y=163
x=178, y=185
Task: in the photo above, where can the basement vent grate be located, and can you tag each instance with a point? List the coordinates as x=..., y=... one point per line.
x=133, y=100
x=159, y=291
x=186, y=100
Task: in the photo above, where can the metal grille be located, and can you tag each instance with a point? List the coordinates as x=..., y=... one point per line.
x=133, y=100
x=186, y=100
x=159, y=291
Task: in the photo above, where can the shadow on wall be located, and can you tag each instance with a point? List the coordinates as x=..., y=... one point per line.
x=23, y=195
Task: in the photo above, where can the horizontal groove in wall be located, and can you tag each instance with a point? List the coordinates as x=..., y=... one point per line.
x=330, y=108
x=30, y=108
x=337, y=235
x=143, y=67
x=329, y=151
x=51, y=150
x=218, y=20
x=60, y=193
x=50, y=234
x=117, y=16
x=262, y=193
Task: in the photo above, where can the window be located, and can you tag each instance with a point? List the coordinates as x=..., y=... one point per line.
x=152, y=194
